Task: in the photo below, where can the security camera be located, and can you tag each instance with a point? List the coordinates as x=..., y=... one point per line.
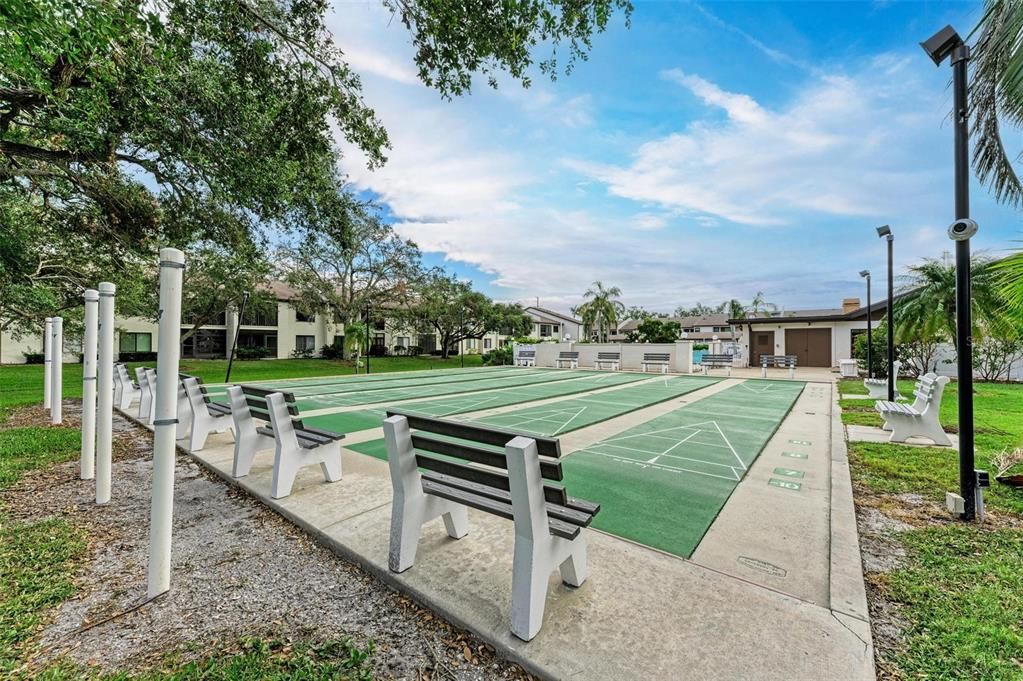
x=962, y=230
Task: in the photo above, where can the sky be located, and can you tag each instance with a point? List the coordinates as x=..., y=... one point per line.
x=706, y=152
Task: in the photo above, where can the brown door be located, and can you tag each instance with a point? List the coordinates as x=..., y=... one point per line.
x=761, y=343
x=812, y=347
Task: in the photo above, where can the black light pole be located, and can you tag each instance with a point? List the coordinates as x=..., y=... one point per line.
x=461, y=357
x=367, y=339
x=870, y=341
x=237, y=332
x=947, y=43
x=886, y=232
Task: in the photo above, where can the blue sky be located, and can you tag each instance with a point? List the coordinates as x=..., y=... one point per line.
x=707, y=152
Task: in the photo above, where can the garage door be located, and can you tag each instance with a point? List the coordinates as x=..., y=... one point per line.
x=812, y=347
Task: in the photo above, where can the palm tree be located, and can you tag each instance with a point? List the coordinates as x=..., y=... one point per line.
x=1009, y=273
x=927, y=302
x=602, y=309
x=355, y=333
x=758, y=305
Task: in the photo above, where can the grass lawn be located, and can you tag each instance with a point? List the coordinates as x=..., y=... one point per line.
x=22, y=384
x=959, y=587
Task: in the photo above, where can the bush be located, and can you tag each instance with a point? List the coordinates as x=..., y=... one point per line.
x=136, y=356
x=332, y=352
x=34, y=357
x=701, y=346
x=302, y=353
x=252, y=352
x=498, y=356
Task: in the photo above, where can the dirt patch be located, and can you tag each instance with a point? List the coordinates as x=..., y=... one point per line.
x=238, y=570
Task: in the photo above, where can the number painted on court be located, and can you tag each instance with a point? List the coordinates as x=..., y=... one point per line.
x=788, y=472
x=785, y=484
x=805, y=443
x=794, y=455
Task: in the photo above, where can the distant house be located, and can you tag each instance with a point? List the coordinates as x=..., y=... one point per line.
x=554, y=325
x=818, y=338
x=702, y=329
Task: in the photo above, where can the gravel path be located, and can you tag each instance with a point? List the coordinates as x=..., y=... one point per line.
x=238, y=570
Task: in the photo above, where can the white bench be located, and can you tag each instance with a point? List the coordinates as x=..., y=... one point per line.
x=295, y=445
x=878, y=387
x=428, y=483
x=125, y=391
x=656, y=359
x=145, y=393
x=779, y=361
x=206, y=416
x=716, y=362
x=612, y=360
x=526, y=358
x=571, y=357
x=151, y=382
x=920, y=419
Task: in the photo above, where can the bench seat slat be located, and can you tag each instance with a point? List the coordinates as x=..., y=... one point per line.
x=553, y=494
x=324, y=433
x=545, y=446
x=558, y=528
x=550, y=470
x=567, y=513
x=304, y=440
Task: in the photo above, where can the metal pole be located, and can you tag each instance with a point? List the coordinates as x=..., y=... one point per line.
x=891, y=322
x=461, y=357
x=87, y=463
x=105, y=387
x=57, y=371
x=964, y=331
x=870, y=339
x=367, y=340
x=47, y=360
x=237, y=332
x=172, y=266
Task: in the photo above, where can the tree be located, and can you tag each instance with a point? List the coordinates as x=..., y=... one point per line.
x=636, y=312
x=1009, y=274
x=993, y=357
x=658, y=331
x=602, y=309
x=355, y=334
x=758, y=306
x=456, y=312
x=926, y=304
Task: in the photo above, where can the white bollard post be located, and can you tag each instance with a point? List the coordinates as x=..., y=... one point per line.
x=87, y=465
x=47, y=361
x=57, y=371
x=105, y=387
x=172, y=266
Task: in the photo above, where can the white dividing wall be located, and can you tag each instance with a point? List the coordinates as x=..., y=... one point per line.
x=547, y=353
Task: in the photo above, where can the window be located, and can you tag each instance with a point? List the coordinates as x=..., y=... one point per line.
x=487, y=343
x=303, y=317
x=136, y=342
x=722, y=329
x=378, y=339
x=690, y=329
x=305, y=342
x=545, y=330
x=339, y=341
x=378, y=324
x=403, y=341
x=260, y=317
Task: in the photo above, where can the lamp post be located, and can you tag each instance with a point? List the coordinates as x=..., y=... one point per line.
x=237, y=332
x=946, y=43
x=870, y=344
x=461, y=357
x=885, y=232
x=367, y=339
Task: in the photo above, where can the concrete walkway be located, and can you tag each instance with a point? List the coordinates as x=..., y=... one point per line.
x=775, y=591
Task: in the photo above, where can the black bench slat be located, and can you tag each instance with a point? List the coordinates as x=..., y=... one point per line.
x=609, y=355
x=304, y=440
x=260, y=404
x=263, y=392
x=555, y=495
x=558, y=528
x=550, y=470
x=567, y=513
x=216, y=406
x=545, y=446
x=323, y=433
x=568, y=355
x=656, y=357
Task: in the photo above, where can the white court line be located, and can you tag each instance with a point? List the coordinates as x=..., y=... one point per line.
x=725, y=438
x=674, y=469
x=654, y=432
x=573, y=418
x=677, y=444
x=673, y=456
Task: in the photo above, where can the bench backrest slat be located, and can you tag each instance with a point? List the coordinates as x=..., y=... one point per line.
x=545, y=446
x=263, y=392
x=568, y=355
x=527, y=353
x=609, y=355
x=550, y=469
x=656, y=356
x=553, y=494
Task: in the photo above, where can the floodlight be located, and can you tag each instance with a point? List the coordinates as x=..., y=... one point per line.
x=941, y=44
x=884, y=230
x=864, y=273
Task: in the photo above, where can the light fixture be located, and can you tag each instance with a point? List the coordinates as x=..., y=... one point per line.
x=870, y=340
x=941, y=44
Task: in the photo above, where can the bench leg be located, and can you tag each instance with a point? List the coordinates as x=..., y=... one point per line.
x=407, y=519
x=573, y=569
x=286, y=467
x=792, y=372
x=704, y=367
x=331, y=464
x=728, y=370
x=530, y=575
x=763, y=372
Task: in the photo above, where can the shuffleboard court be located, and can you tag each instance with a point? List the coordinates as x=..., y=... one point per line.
x=663, y=482
x=569, y=415
x=352, y=421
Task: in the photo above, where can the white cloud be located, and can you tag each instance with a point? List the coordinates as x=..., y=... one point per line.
x=842, y=147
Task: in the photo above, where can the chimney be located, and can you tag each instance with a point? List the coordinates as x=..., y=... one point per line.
x=850, y=304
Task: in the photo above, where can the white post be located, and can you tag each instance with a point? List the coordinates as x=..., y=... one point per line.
x=47, y=361
x=87, y=465
x=172, y=265
x=57, y=371
x=105, y=387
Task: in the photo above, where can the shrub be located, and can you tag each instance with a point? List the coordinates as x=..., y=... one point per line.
x=302, y=353
x=701, y=346
x=34, y=357
x=498, y=356
x=252, y=352
x=993, y=357
x=332, y=352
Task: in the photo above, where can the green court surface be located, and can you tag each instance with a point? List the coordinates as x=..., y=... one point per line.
x=568, y=415
x=663, y=482
x=352, y=421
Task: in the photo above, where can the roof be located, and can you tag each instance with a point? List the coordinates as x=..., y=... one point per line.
x=540, y=311
x=684, y=322
x=825, y=315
